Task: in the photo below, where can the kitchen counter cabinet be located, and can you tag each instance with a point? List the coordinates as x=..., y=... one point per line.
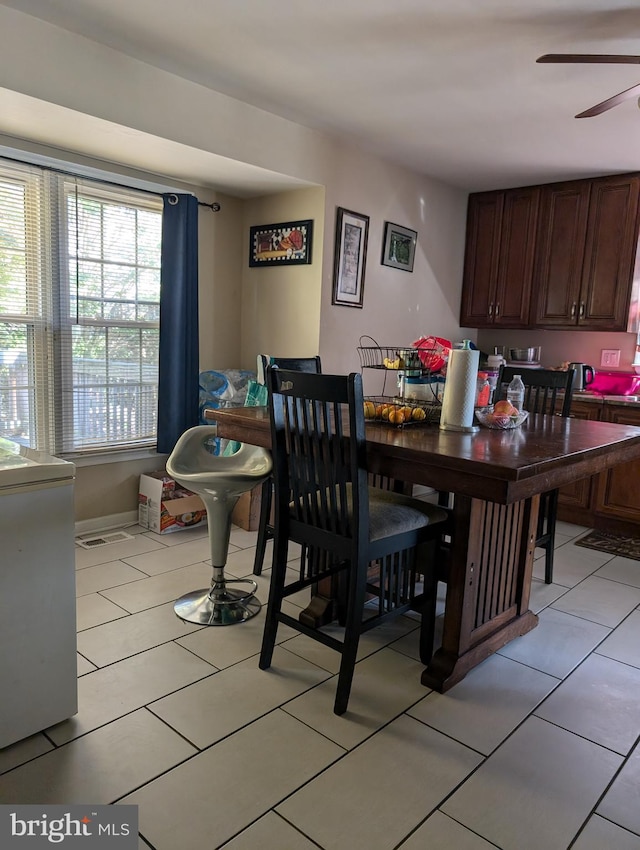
x=501, y=229
x=617, y=492
x=585, y=253
x=611, y=499
x=576, y=497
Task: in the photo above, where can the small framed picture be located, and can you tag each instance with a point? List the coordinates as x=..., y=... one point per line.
x=284, y=244
x=350, y=258
x=398, y=247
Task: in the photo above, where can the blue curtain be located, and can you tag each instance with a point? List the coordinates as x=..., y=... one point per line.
x=178, y=389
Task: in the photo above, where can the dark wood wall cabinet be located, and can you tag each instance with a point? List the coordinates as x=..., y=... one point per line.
x=611, y=499
x=501, y=229
x=561, y=255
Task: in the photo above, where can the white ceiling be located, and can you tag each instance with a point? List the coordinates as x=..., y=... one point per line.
x=450, y=88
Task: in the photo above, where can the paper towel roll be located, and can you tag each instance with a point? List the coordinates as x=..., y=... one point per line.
x=460, y=390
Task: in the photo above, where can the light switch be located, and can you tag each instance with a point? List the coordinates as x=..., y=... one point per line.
x=610, y=357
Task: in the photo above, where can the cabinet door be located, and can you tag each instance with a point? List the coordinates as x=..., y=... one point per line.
x=578, y=494
x=516, y=256
x=562, y=226
x=618, y=490
x=484, y=219
x=610, y=250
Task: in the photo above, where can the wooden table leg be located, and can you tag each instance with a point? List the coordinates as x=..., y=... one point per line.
x=488, y=588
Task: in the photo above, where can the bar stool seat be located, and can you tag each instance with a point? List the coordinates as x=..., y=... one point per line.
x=219, y=481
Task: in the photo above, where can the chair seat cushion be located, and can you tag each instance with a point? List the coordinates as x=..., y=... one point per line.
x=393, y=513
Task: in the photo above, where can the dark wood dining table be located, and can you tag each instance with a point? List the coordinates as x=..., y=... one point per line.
x=496, y=478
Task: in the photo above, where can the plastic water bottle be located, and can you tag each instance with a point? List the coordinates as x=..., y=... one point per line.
x=515, y=392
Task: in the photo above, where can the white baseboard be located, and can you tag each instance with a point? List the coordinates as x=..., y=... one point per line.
x=105, y=523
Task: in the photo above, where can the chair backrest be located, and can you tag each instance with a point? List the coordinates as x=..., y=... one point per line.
x=319, y=458
x=294, y=364
x=545, y=390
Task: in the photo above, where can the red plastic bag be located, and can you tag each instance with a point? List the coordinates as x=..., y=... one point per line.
x=433, y=351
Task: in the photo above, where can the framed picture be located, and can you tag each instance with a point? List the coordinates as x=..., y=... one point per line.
x=398, y=247
x=350, y=256
x=285, y=244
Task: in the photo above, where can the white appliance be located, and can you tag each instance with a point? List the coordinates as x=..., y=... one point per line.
x=38, y=666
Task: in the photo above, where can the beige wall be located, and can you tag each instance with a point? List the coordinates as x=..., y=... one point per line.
x=110, y=489
x=220, y=256
x=281, y=304
x=398, y=306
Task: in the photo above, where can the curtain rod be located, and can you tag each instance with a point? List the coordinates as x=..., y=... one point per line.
x=215, y=207
x=173, y=200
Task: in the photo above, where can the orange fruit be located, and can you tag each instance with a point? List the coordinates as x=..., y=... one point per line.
x=396, y=415
x=418, y=414
x=386, y=411
x=504, y=408
x=408, y=411
x=369, y=410
x=379, y=410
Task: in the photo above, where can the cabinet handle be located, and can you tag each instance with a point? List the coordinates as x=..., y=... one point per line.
x=497, y=309
x=573, y=310
x=491, y=309
x=582, y=309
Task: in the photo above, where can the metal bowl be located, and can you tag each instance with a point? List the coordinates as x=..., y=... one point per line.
x=525, y=355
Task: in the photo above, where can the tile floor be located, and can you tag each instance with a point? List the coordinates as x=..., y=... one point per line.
x=536, y=749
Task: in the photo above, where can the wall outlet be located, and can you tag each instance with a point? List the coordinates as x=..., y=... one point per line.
x=610, y=357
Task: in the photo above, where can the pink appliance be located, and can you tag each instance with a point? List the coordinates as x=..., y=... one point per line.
x=615, y=383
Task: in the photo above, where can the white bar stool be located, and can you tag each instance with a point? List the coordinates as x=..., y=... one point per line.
x=219, y=481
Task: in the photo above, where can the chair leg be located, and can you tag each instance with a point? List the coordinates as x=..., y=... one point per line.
x=276, y=588
x=353, y=625
x=552, y=509
x=263, y=526
x=428, y=607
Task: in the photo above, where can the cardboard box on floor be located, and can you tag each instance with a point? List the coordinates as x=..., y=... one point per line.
x=164, y=506
x=246, y=513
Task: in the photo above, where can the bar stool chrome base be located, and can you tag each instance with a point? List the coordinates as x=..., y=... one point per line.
x=219, y=605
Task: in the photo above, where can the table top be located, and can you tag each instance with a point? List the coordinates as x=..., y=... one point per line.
x=500, y=466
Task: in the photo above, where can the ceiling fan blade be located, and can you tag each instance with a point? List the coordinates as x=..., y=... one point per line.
x=599, y=108
x=595, y=58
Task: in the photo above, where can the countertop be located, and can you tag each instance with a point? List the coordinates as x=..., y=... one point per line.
x=598, y=398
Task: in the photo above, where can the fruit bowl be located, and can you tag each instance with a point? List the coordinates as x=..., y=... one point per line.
x=501, y=422
x=400, y=412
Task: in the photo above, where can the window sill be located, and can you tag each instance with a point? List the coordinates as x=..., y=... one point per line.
x=125, y=456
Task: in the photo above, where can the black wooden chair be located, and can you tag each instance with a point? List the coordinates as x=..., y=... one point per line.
x=265, y=529
x=545, y=391
x=323, y=501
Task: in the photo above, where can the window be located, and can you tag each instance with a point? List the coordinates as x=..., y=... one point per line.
x=79, y=312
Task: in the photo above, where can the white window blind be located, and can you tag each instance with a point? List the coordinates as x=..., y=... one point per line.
x=79, y=312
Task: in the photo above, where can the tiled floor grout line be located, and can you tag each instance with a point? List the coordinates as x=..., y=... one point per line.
x=604, y=793
x=278, y=815
x=457, y=787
